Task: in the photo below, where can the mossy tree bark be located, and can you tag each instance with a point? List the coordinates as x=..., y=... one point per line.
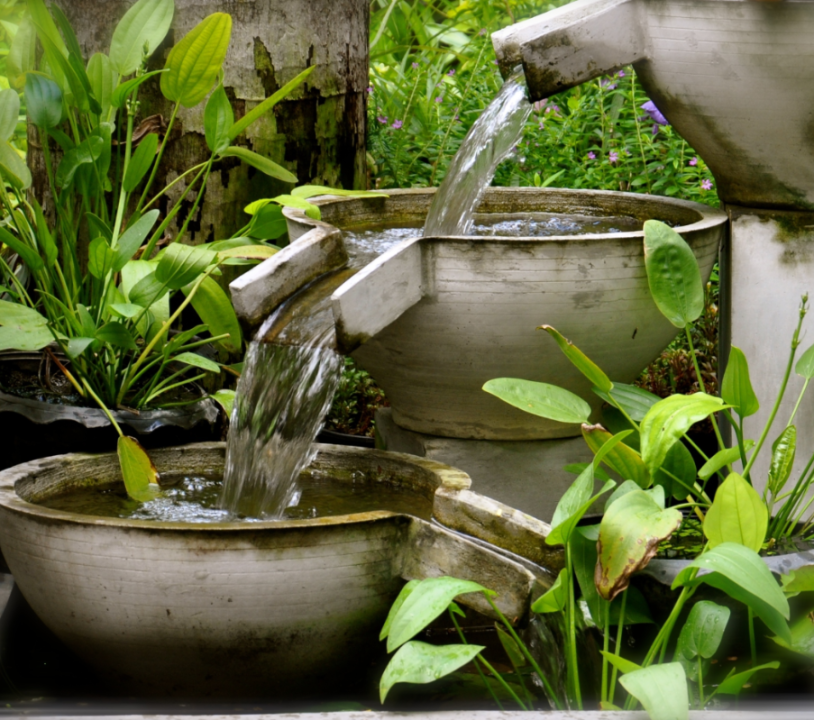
x=318, y=134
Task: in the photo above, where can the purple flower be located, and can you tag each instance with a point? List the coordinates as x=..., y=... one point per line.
x=397, y=125
x=541, y=125
x=607, y=84
x=369, y=90
x=482, y=31
x=539, y=105
x=706, y=184
x=613, y=157
x=655, y=129
x=451, y=72
x=382, y=119
x=439, y=99
x=654, y=113
x=415, y=66
x=620, y=74
x=694, y=161
x=495, y=62
x=591, y=156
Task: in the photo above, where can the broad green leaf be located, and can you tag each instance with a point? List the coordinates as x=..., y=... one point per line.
x=292, y=201
x=132, y=238
x=43, y=100
x=578, y=493
x=703, y=630
x=734, y=683
x=542, y=399
x=799, y=580
x=661, y=689
x=309, y=191
x=28, y=255
x=143, y=27
x=580, y=360
x=268, y=223
x=148, y=291
x=511, y=648
x=123, y=90
x=86, y=320
x=623, y=460
x=668, y=420
x=255, y=252
x=22, y=54
x=736, y=387
x=578, y=468
x=805, y=365
x=138, y=472
x=397, y=603
x=83, y=154
x=722, y=458
x=215, y=309
x=738, y=515
x=218, y=118
x=635, y=401
x=561, y=532
x=629, y=536
x=555, y=598
x=195, y=63
x=226, y=399
x=426, y=602
x=656, y=492
x=100, y=258
x=268, y=104
x=181, y=264
x=673, y=274
x=742, y=575
x=140, y=162
x=9, y=112
x=195, y=360
x=116, y=334
x=77, y=346
x=801, y=640
x=71, y=43
x=420, y=663
x=102, y=79
x=13, y=167
x=12, y=313
x=783, y=452
x=126, y=310
x=45, y=240
x=677, y=472
x=132, y=274
x=26, y=338
x=262, y=163
x=621, y=664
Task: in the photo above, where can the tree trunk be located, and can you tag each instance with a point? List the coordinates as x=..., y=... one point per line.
x=318, y=133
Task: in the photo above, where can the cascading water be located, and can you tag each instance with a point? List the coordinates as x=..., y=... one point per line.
x=489, y=141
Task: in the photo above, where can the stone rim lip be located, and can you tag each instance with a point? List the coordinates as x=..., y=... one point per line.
x=446, y=477
x=708, y=217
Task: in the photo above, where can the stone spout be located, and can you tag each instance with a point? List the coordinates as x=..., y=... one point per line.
x=573, y=44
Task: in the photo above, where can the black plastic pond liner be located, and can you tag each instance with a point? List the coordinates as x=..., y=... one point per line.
x=31, y=429
x=337, y=438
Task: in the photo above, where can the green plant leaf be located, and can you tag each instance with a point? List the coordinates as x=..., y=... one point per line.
x=148, y=291
x=426, y=602
x=668, y=420
x=783, y=452
x=132, y=274
x=226, y=399
x=635, y=401
x=28, y=255
x=255, y=252
x=629, y=536
x=567, y=515
x=144, y=25
x=703, y=630
x=799, y=580
x=132, y=239
x=542, y=399
x=555, y=598
x=218, y=118
x=738, y=515
x=673, y=274
x=43, y=101
x=195, y=360
x=9, y=112
x=580, y=360
x=661, y=689
x=623, y=460
x=140, y=162
x=100, y=257
x=26, y=338
x=181, y=264
x=22, y=55
x=742, y=575
x=268, y=104
x=263, y=164
x=12, y=313
x=421, y=663
x=722, y=458
x=801, y=640
x=268, y=223
x=138, y=472
x=215, y=310
x=733, y=684
x=195, y=63
x=805, y=365
x=77, y=346
x=126, y=310
x=736, y=387
x=123, y=90
x=309, y=191
x=116, y=334
x=396, y=606
x=621, y=664
x=511, y=648
x=102, y=78
x=85, y=153
x=677, y=472
x=292, y=201
x=13, y=167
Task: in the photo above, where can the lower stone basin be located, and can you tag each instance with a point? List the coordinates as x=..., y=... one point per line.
x=248, y=608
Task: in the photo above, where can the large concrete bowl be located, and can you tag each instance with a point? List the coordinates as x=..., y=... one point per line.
x=735, y=78
x=247, y=608
x=436, y=317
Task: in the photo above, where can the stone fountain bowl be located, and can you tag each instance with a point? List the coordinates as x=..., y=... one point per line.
x=248, y=608
x=434, y=318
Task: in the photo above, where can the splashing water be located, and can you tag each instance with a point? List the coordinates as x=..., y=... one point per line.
x=283, y=394
x=486, y=145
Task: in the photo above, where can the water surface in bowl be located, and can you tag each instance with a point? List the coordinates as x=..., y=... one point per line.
x=194, y=499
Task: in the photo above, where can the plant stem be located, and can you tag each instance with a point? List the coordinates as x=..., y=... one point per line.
x=606, y=647
x=701, y=386
x=701, y=682
x=477, y=658
x=573, y=669
x=752, y=645
x=157, y=161
x=617, y=649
